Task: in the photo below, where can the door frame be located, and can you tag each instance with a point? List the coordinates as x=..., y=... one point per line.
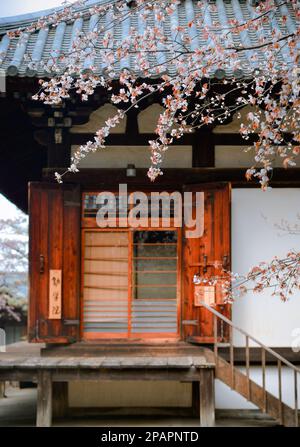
x=139, y=336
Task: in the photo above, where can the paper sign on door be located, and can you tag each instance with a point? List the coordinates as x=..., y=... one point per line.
x=204, y=294
x=55, y=295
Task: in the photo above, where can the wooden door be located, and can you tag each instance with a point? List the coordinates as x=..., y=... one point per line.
x=54, y=263
x=206, y=256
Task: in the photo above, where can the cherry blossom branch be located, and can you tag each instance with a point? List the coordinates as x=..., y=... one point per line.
x=262, y=45
x=273, y=91
x=280, y=274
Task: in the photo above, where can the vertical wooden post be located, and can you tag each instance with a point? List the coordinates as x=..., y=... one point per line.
x=296, y=398
x=44, y=399
x=195, y=399
x=60, y=399
x=59, y=152
x=2, y=389
x=203, y=148
x=280, y=409
x=231, y=354
x=207, y=397
x=263, y=363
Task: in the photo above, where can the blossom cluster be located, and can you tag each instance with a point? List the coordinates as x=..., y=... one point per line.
x=280, y=275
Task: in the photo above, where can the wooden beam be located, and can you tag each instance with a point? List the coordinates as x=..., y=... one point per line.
x=44, y=399
x=73, y=372
x=97, y=179
x=176, y=412
x=207, y=398
x=2, y=389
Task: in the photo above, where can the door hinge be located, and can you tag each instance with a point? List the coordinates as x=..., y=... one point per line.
x=189, y=322
x=37, y=329
x=42, y=264
x=71, y=322
x=222, y=330
x=72, y=203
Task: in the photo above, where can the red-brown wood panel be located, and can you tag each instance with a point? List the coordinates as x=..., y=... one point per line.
x=72, y=261
x=54, y=244
x=212, y=248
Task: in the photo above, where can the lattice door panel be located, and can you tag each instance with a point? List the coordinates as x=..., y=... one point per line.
x=130, y=284
x=105, y=290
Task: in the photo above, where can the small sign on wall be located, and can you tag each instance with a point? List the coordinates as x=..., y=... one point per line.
x=55, y=295
x=204, y=294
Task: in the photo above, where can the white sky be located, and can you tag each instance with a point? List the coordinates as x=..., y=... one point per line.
x=7, y=209
x=14, y=7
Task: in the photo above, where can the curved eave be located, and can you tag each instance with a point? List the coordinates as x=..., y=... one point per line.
x=23, y=20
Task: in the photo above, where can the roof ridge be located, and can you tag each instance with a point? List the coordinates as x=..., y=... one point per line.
x=20, y=20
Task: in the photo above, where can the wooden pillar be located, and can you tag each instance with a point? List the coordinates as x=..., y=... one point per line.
x=2, y=389
x=44, y=399
x=59, y=148
x=60, y=399
x=195, y=399
x=132, y=125
x=203, y=148
x=207, y=398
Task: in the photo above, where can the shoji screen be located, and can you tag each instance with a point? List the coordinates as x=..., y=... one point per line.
x=130, y=283
x=105, y=276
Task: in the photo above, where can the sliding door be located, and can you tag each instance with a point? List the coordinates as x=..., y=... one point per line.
x=130, y=283
x=105, y=284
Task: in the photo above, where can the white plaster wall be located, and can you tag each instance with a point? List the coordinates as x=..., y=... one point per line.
x=148, y=118
x=241, y=156
x=255, y=239
x=120, y=157
x=240, y=116
x=97, y=120
x=130, y=394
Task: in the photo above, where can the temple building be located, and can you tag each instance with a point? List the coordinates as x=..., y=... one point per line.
x=117, y=307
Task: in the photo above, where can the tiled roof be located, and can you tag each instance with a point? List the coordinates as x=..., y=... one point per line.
x=42, y=43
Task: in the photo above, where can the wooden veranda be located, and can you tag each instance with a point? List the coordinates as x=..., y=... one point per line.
x=57, y=366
